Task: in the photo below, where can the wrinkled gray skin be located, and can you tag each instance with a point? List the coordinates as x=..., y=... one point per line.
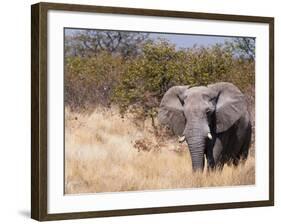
x=214, y=121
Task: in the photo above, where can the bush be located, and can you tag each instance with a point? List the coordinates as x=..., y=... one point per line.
x=137, y=84
x=89, y=81
x=146, y=78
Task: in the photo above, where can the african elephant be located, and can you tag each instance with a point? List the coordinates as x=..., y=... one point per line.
x=213, y=120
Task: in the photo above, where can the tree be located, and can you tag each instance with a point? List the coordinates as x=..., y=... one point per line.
x=89, y=81
x=243, y=47
x=137, y=83
x=86, y=43
x=160, y=66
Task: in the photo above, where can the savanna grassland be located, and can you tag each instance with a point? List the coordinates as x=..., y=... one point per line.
x=107, y=153
x=114, y=82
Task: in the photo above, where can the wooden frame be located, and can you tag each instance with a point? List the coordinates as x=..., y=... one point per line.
x=39, y=110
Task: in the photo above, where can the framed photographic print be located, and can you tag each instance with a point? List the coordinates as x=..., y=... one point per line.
x=140, y=111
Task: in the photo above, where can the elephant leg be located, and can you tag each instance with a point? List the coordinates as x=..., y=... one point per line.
x=240, y=143
x=210, y=161
x=214, y=154
x=217, y=153
x=245, y=147
x=209, y=155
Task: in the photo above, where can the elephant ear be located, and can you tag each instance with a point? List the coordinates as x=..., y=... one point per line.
x=231, y=105
x=171, y=109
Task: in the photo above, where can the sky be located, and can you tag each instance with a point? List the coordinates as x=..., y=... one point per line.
x=188, y=40
x=180, y=40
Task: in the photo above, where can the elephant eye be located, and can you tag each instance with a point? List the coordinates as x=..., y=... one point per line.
x=214, y=99
x=208, y=112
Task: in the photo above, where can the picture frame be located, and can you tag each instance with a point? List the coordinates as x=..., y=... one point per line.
x=41, y=158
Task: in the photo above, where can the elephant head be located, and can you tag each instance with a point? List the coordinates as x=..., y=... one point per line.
x=200, y=113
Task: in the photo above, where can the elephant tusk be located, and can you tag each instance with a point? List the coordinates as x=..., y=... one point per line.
x=181, y=139
x=210, y=136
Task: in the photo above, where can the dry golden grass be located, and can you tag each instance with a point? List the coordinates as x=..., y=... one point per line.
x=105, y=153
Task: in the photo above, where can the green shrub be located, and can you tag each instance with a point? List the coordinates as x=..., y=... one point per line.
x=137, y=84
x=146, y=78
x=89, y=81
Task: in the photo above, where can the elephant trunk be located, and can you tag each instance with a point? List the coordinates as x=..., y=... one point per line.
x=197, y=135
x=197, y=148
